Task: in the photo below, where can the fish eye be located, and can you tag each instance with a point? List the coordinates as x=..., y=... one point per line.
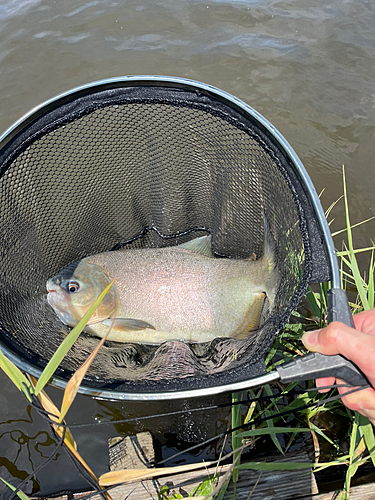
x=72, y=287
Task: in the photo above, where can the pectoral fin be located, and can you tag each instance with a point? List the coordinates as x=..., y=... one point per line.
x=128, y=324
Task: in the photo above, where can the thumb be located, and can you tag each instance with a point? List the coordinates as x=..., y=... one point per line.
x=338, y=338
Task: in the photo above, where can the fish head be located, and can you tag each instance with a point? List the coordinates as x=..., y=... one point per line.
x=72, y=291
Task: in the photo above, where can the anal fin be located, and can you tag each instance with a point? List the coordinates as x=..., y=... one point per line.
x=252, y=318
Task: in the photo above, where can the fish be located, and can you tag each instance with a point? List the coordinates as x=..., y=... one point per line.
x=178, y=293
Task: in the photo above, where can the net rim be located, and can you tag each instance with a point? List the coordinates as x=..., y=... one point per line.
x=191, y=85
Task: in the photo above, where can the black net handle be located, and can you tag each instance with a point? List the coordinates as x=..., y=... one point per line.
x=316, y=365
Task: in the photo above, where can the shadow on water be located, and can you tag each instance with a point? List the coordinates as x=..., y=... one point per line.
x=27, y=439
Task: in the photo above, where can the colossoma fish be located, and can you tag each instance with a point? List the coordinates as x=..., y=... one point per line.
x=179, y=293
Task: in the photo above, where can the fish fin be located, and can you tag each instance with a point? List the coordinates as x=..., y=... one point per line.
x=128, y=324
x=199, y=245
x=251, y=320
x=268, y=244
x=269, y=254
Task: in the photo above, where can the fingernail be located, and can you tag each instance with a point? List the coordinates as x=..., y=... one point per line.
x=310, y=339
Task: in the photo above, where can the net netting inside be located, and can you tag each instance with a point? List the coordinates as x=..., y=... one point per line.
x=147, y=166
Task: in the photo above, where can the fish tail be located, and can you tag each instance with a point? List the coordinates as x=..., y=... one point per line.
x=269, y=256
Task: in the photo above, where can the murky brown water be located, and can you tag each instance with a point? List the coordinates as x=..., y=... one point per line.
x=307, y=65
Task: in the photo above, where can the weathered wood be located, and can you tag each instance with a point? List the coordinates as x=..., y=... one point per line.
x=362, y=492
x=138, y=452
x=131, y=452
x=281, y=485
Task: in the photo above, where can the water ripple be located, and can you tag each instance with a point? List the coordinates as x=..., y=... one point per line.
x=9, y=8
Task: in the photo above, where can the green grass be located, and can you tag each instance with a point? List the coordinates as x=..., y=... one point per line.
x=20, y=495
x=360, y=436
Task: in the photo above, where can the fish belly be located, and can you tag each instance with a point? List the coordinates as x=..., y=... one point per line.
x=185, y=296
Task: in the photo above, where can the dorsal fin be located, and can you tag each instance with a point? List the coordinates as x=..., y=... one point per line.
x=200, y=245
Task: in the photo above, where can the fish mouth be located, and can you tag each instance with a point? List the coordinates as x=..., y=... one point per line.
x=54, y=295
x=52, y=286
x=54, y=299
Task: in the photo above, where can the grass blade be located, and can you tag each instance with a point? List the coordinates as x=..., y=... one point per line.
x=285, y=465
x=223, y=490
x=270, y=422
x=370, y=286
x=236, y=435
x=53, y=414
x=356, y=449
x=205, y=488
x=353, y=226
x=72, y=386
x=344, y=253
x=15, y=374
x=69, y=441
x=315, y=305
x=122, y=476
x=332, y=205
x=252, y=406
x=64, y=347
x=20, y=494
x=273, y=430
x=353, y=261
x=367, y=432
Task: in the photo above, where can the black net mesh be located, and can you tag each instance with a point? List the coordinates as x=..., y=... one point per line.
x=146, y=166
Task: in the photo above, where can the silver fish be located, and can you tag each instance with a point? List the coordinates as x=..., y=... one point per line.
x=178, y=293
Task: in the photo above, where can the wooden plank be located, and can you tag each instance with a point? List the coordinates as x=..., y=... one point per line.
x=138, y=452
x=362, y=492
x=131, y=452
x=283, y=485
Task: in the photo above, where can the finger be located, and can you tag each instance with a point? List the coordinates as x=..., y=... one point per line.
x=338, y=338
x=362, y=400
x=365, y=321
x=323, y=382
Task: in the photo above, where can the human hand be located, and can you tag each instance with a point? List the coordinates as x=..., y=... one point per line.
x=357, y=345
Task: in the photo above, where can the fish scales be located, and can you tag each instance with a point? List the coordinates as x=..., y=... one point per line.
x=184, y=295
x=175, y=293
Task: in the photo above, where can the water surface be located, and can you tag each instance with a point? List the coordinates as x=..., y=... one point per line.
x=306, y=65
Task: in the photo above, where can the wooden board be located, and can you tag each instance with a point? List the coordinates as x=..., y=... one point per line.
x=131, y=452
x=363, y=492
x=137, y=452
x=281, y=485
